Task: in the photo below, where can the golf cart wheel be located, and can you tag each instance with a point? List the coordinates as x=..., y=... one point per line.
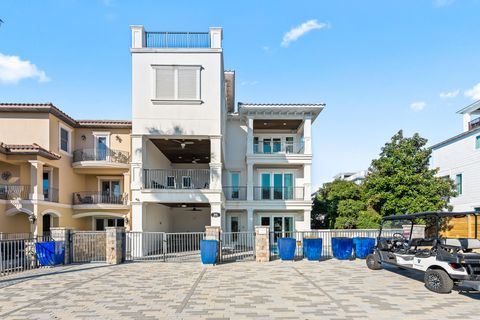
x=438, y=281
x=372, y=262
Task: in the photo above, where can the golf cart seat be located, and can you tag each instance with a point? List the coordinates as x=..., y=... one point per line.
x=464, y=243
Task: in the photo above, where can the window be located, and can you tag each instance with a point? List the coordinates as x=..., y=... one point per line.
x=101, y=223
x=187, y=182
x=477, y=142
x=64, y=139
x=458, y=183
x=170, y=182
x=235, y=182
x=177, y=82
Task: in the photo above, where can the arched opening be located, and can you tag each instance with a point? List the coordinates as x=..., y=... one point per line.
x=46, y=224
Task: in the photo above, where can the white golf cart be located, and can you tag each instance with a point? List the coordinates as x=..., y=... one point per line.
x=443, y=245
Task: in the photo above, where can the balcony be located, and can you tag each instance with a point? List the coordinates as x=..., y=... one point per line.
x=176, y=179
x=99, y=198
x=278, y=193
x=475, y=123
x=277, y=147
x=14, y=192
x=177, y=39
x=50, y=194
x=91, y=158
x=235, y=193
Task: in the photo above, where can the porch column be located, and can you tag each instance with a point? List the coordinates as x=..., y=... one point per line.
x=215, y=214
x=307, y=220
x=137, y=162
x=307, y=135
x=249, y=182
x=249, y=136
x=250, y=220
x=126, y=189
x=307, y=184
x=215, y=163
x=138, y=216
x=36, y=180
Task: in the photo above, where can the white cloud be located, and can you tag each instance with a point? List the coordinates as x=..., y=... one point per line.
x=418, y=105
x=300, y=30
x=473, y=93
x=249, y=83
x=449, y=94
x=442, y=3
x=13, y=69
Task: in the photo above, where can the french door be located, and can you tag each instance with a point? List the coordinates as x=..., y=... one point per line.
x=111, y=192
x=281, y=226
x=282, y=186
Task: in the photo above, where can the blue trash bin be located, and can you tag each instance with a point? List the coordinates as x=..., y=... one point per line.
x=312, y=249
x=286, y=248
x=50, y=253
x=363, y=246
x=342, y=248
x=208, y=251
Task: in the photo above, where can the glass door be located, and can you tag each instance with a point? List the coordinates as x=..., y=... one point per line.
x=46, y=185
x=111, y=192
x=277, y=186
x=288, y=186
x=289, y=144
x=266, y=186
x=267, y=145
x=277, y=145
x=235, y=180
x=277, y=228
x=101, y=148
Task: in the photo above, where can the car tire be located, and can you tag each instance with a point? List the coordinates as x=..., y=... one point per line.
x=438, y=281
x=372, y=262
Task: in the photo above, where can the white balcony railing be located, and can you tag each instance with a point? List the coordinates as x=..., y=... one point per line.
x=176, y=178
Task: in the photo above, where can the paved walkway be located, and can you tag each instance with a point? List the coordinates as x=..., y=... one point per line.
x=276, y=290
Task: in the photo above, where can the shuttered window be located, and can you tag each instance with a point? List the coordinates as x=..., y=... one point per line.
x=177, y=82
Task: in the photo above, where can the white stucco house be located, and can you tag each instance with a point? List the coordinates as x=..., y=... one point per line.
x=198, y=159
x=459, y=158
x=356, y=177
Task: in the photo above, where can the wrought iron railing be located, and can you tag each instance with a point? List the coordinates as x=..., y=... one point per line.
x=176, y=178
x=12, y=192
x=107, y=155
x=235, y=193
x=95, y=197
x=278, y=193
x=274, y=147
x=51, y=194
x=177, y=39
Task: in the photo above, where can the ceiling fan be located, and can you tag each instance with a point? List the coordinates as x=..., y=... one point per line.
x=195, y=159
x=183, y=144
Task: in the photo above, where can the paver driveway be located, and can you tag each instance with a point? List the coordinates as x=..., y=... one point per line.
x=288, y=290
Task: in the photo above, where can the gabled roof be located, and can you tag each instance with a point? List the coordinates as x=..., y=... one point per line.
x=27, y=149
x=50, y=108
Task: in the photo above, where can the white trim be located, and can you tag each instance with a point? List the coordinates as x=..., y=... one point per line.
x=14, y=211
x=51, y=212
x=69, y=130
x=98, y=213
x=100, y=134
x=176, y=99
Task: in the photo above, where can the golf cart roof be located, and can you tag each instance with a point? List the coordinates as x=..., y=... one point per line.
x=439, y=214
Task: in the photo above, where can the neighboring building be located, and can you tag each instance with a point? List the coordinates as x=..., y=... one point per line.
x=356, y=177
x=197, y=161
x=459, y=159
x=57, y=171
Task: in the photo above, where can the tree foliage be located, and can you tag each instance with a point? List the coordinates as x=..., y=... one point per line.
x=398, y=182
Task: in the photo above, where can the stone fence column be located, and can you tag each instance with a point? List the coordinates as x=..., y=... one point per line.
x=115, y=244
x=213, y=233
x=63, y=234
x=262, y=244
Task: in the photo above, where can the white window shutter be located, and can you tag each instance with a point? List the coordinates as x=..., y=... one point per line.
x=164, y=86
x=187, y=83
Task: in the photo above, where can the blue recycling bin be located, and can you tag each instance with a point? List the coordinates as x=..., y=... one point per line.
x=312, y=248
x=50, y=253
x=342, y=248
x=286, y=248
x=208, y=251
x=363, y=246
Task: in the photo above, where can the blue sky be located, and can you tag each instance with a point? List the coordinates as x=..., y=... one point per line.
x=380, y=66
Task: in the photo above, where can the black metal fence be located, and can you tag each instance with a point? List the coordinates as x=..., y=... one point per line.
x=17, y=255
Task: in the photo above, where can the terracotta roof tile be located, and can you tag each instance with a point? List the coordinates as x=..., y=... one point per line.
x=28, y=149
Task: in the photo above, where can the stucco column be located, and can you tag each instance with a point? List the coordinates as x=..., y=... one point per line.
x=249, y=136
x=250, y=182
x=307, y=136
x=215, y=163
x=36, y=180
x=137, y=162
x=307, y=220
x=138, y=36
x=216, y=214
x=307, y=182
x=216, y=36
x=138, y=216
x=467, y=117
x=126, y=189
x=250, y=220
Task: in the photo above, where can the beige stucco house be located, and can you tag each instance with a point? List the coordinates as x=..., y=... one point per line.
x=58, y=171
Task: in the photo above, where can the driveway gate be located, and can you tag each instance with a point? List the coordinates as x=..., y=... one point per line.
x=88, y=246
x=237, y=246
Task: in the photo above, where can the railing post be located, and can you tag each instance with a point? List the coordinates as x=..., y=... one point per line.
x=63, y=234
x=262, y=244
x=213, y=233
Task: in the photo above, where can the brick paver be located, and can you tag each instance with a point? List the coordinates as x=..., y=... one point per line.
x=277, y=290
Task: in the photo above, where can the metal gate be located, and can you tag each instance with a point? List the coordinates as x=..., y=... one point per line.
x=237, y=246
x=88, y=246
x=162, y=246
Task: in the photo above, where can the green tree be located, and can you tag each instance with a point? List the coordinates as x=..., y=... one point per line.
x=400, y=180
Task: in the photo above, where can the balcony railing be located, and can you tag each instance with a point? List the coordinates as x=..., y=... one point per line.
x=177, y=39
x=50, y=194
x=274, y=147
x=278, y=193
x=474, y=124
x=235, y=193
x=107, y=155
x=95, y=197
x=176, y=178
x=12, y=192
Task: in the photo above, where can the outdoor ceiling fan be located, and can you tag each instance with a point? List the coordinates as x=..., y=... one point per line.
x=195, y=159
x=183, y=144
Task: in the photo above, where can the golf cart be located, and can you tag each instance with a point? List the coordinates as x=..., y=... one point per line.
x=445, y=246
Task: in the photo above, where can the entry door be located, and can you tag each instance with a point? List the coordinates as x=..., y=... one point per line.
x=111, y=191
x=46, y=185
x=234, y=227
x=101, y=148
x=46, y=224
